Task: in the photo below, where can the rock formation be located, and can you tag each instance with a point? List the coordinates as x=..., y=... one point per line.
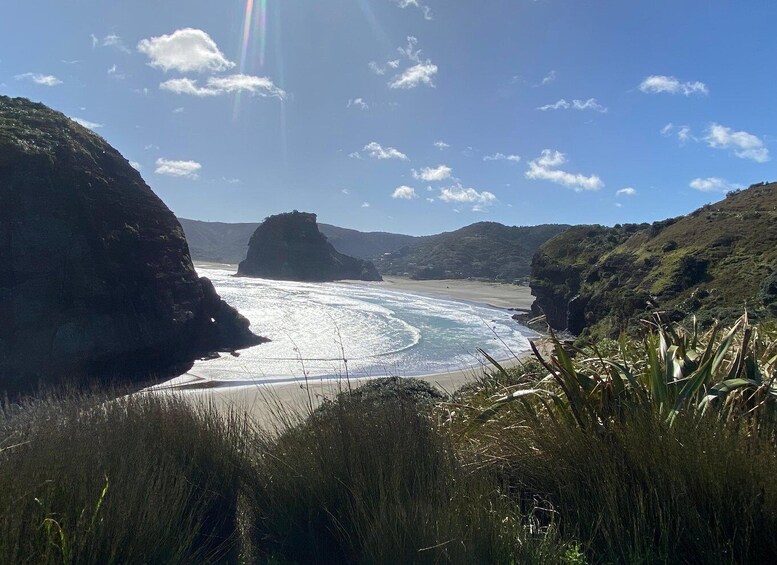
x=96, y=281
x=291, y=247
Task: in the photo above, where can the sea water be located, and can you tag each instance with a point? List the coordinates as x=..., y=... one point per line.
x=336, y=330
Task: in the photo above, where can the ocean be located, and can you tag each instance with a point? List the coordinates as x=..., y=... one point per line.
x=336, y=330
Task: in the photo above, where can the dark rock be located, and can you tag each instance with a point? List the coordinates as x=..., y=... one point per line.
x=576, y=314
x=291, y=247
x=96, y=281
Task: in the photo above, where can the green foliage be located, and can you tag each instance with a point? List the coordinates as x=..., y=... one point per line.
x=485, y=250
x=375, y=482
x=135, y=480
x=711, y=263
x=660, y=450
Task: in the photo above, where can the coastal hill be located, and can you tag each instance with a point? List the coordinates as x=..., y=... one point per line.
x=712, y=263
x=228, y=243
x=291, y=247
x=95, y=274
x=485, y=250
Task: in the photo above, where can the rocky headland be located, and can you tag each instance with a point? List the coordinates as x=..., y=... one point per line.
x=713, y=263
x=96, y=281
x=290, y=247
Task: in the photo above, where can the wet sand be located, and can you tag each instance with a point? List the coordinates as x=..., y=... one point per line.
x=272, y=404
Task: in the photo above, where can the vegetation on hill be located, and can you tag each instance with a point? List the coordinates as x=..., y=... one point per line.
x=218, y=242
x=710, y=264
x=486, y=250
x=365, y=245
x=658, y=450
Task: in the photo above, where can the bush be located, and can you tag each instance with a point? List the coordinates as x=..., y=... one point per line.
x=141, y=479
x=375, y=482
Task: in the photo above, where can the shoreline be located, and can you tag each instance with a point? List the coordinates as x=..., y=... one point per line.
x=273, y=404
x=267, y=402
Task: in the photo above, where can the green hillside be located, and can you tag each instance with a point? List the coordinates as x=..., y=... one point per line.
x=485, y=250
x=713, y=263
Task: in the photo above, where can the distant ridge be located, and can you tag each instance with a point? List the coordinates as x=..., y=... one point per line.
x=486, y=250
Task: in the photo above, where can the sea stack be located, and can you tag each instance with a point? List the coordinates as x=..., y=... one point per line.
x=96, y=281
x=291, y=247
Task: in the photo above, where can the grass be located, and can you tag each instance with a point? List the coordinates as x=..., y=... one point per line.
x=652, y=451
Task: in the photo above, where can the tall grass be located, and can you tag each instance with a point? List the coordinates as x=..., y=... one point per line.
x=653, y=451
x=367, y=478
x=376, y=482
x=135, y=480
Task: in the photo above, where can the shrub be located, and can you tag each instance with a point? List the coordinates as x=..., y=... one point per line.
x=142, y=479
x=375, y=482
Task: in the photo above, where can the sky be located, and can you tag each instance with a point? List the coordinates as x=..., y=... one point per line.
x=414, y=116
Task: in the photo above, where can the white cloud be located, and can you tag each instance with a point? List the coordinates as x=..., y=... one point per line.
x=185, y=50
x=377, y=151
x=95, y=40
x=430, y=174
x=744, y=145
x=345, y=191
x=376, y=68
x=712, y=184
x=114, y=72
x=441, y=145
x=358, y=103
x=430, y=200
x=113, y=40
x=560, y=105
x=683, y=132
x=365, y=204
x=355, y=155
x=215, y=86
x=188, y=169
x=550, y=77
x=590, y=104
x=660, y=83
x=502, y=157
x=628, y=191
x=461, y=195
x=544, y=168
x=178, y=110
x=135, y=165
x=41, y=79
x=86, y=123
x=427, y=11
x=404, y=193
x=422, y=73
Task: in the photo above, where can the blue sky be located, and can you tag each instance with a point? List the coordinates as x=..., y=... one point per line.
x=414, y=116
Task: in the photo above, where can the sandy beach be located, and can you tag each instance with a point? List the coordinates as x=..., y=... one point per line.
x=267, y=403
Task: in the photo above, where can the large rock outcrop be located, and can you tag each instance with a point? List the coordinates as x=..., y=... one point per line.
x=291, y=247
x=714, y=263
x=96, y=281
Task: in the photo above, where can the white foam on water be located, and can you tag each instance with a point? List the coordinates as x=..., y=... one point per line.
x=332, y=330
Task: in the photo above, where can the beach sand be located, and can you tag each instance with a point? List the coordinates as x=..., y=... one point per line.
x=270, y=404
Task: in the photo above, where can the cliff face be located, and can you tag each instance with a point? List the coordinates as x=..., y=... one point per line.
x=290, y=247
x=96, y=280
x=713, y=263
